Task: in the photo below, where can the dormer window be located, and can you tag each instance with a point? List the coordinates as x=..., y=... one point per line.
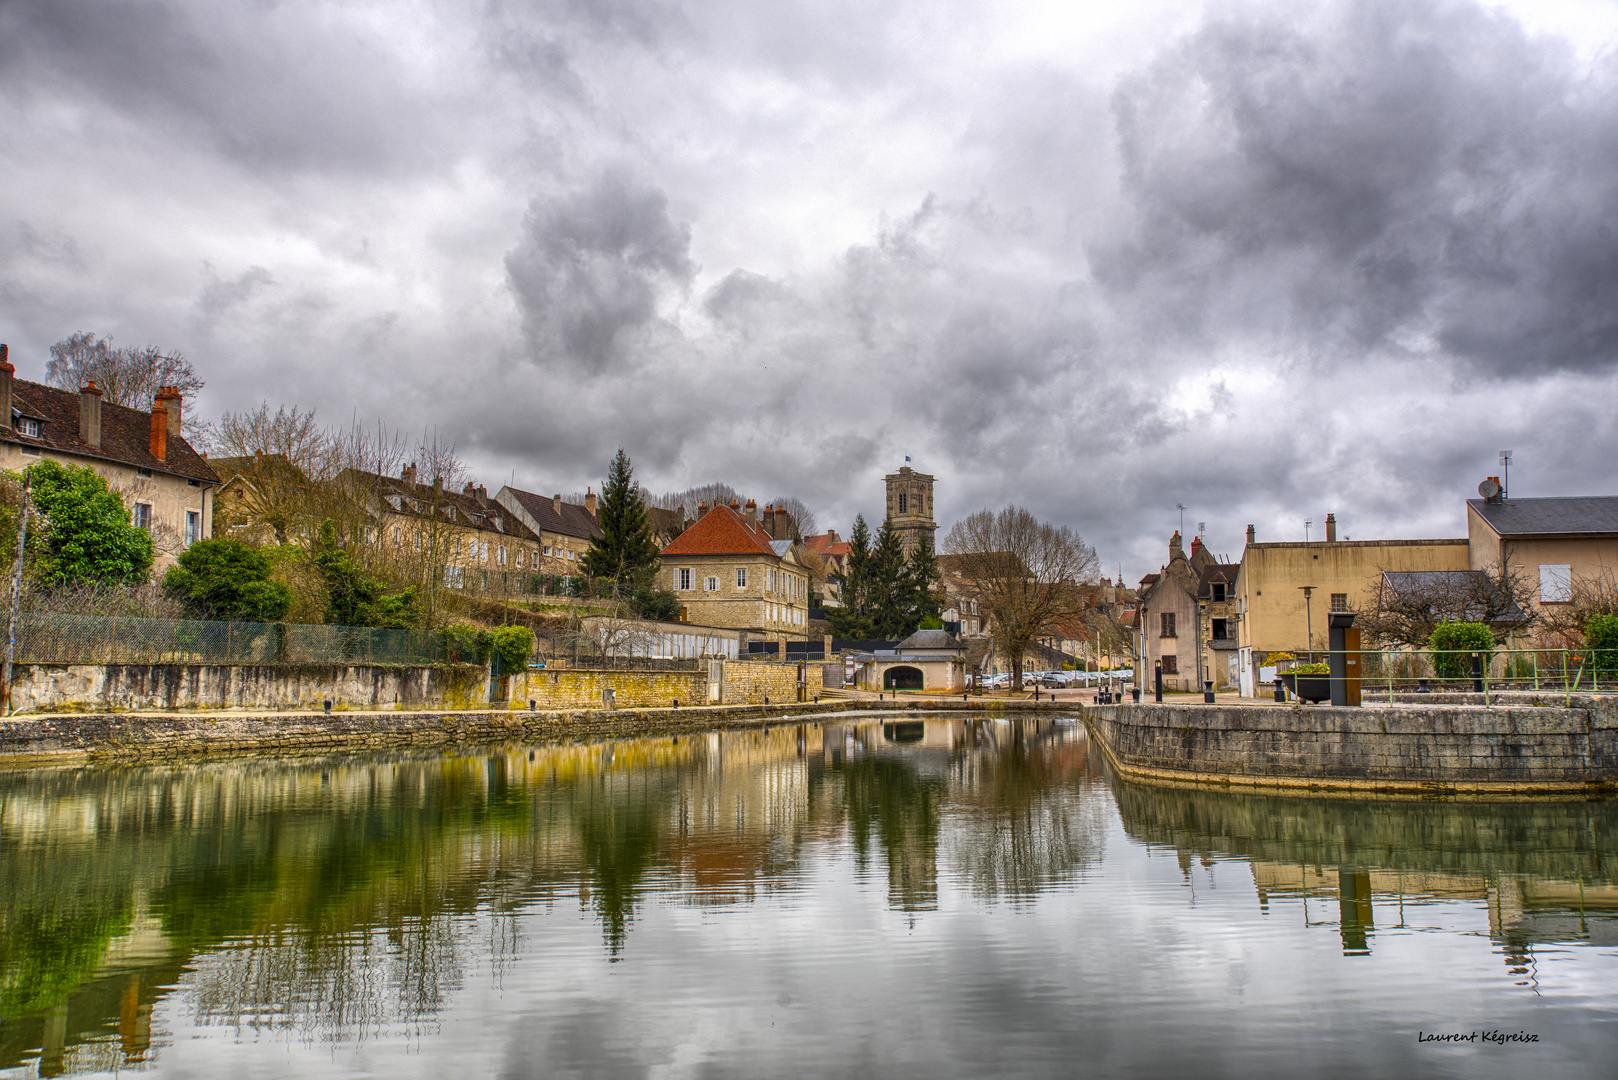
x=28, y=426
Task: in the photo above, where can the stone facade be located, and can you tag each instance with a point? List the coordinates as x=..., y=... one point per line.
x=726, y=572
x=751, y=682
x=910, y=507
x=143, y=456
x=564, y=529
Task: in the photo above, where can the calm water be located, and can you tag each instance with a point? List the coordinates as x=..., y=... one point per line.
x=954, y=898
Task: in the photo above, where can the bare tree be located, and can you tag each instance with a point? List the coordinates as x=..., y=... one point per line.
x=281, y=457
x=1591, y=596
x=690, y=498
x=803, y=518
x=1405, y=608
x=1027, y=574
x=124, y=374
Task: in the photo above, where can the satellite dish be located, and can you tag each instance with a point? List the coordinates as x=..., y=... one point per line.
x=1489, y=489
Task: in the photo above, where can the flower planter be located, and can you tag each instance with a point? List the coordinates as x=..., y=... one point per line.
x=1311, y=688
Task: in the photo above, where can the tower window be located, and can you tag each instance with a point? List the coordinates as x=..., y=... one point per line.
x=903, y=500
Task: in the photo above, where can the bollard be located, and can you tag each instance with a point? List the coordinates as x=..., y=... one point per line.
x=1477, y=673
x=1157, y=676
x=328, y=706
x=1207, y=692
x=1135, y=690
x=1421, y=687
x=676, y=703
x=1280, y=691
x=531, y=704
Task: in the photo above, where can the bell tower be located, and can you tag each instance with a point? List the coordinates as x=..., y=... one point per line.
x=910, y=506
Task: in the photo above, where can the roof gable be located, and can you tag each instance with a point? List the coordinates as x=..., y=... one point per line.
x=721, y=531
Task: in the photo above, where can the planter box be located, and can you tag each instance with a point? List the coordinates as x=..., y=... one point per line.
x=1312, y=688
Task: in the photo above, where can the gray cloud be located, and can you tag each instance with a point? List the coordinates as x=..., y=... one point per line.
x=1295, y=260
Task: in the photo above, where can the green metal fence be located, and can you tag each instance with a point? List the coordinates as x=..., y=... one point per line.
x=1406, y=670
x=95, y=639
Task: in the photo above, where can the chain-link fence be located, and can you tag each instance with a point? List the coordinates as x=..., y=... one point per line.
x=95, y=639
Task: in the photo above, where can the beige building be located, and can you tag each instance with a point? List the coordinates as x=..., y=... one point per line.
x=564, y=529
x=1557, y=547
x=728, y=572
x=1186, y=621
x=167, y=485
x=910, y=507
x=1284, y=591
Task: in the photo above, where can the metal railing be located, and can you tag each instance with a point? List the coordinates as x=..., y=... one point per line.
x=1565, y=671
x=96, y=639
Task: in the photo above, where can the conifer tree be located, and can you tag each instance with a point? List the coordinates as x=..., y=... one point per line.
x=624, y=552
x=852, y=620
x=926, y=605
x=889, y=584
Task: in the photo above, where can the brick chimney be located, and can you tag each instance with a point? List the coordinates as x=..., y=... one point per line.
x=1252, y=535
x=6, y=374
x=1196, y=544
x=160, y=433
x=590, y=501
x=702, y=508
x=408, y=474
x=174, y=403
x=90, y=415
x=1331, y=528
x=556, y=504
x=752, y=512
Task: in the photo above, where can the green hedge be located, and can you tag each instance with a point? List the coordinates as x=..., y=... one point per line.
x=1453, y=644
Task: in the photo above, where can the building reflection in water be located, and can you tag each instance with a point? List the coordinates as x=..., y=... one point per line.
x=336, y=896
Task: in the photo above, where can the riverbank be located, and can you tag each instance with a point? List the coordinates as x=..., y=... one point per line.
x=46, y=738
x=1411, y=749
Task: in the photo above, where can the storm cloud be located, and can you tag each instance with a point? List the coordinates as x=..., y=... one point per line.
x=1265, y=260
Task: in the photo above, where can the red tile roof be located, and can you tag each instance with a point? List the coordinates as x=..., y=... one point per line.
x=822, y=545
x=721, y=531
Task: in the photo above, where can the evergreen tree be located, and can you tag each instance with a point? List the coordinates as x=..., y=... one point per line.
x=852, y=620
x=353, y=597
x=624, y=552
x=926, y=604
x=889, y=599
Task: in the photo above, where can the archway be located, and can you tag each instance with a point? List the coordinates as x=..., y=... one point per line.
x=902, y=678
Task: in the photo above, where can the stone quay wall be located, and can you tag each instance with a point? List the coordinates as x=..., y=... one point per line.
x=26, y=740
x=580, y=688
x=1422, y=749
x=752, y=681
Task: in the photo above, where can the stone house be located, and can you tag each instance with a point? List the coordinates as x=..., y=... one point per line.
x=1180, y=610
x=564, y=529
x=832, y=550
x=1558, y=547
x=467, y=540
x=143, y=456
x=728, y=572
x=930, y=660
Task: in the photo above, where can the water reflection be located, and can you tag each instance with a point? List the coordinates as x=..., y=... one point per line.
x=356, y=899
x=1545, y=872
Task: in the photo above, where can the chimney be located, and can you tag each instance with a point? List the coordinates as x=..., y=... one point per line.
x=1175, y=550
x=468, y=490
x=90, y=415
x=483, y=494
x=831, y=537
x=590, y=501
x=408, y=474
x=1196, y=544
x=702, y=508
x=160, y=433
x=752, y=512
x=171, y=399
x=1331, y=528
x=734, y=505
x=6, y=373
x=1251, y=535
x=556, y=503
x=769, y=522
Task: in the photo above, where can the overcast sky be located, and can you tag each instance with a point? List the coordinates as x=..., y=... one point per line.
x=1266, y=260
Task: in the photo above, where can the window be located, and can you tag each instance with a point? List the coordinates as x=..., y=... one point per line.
x=500, y=555
x=193, y=526
x=31, y=451
x=1171, y=664
x=684, y=579
x=1221, y=629
x=28, y=427
x=143, y=516
x=1339, y=601
x=904, y=500
x=1555, y=583
x=547, y=550
x=712, y=584
x=1167, y=621
x=1218, y=591
x=741, y=577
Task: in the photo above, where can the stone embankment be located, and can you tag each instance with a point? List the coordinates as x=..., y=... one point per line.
x=1447, y=748
x=53, y=738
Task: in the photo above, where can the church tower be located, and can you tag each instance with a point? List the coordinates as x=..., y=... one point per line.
x=910, y=507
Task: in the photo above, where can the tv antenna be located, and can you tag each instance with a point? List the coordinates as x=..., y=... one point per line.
x=1202, y=529
x=1306, y=523
x=1505, y=472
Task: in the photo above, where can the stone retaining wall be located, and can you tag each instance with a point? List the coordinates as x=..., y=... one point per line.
x=1464, y=748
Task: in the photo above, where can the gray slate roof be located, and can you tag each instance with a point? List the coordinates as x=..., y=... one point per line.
x=1568, y=516
x=930, y=639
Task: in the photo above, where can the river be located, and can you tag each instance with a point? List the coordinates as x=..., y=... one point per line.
x=951, y=897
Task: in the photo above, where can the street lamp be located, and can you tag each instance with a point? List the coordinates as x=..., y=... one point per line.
x=1309, y=618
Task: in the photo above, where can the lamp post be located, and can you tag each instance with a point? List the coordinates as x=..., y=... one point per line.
x=1309, y=618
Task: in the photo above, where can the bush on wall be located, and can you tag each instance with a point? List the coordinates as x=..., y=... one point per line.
x=1453, y=644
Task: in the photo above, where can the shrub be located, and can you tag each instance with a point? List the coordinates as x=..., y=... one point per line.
x=1311, y=669
x=1453, y=644
x=226, y=579
x=1601, y=636
x=658, y=605
x=466, y=644
x=355, y=598
x=86, y=535
x=512, y=644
